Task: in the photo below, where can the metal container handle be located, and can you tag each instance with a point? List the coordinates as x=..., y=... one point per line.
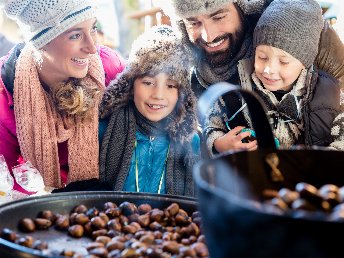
x=260, y=121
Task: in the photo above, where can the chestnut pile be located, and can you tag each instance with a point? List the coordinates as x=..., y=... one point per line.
x=325, y=202
x=126, y=230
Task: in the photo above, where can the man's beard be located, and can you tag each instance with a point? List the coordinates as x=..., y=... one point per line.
x=222, y=57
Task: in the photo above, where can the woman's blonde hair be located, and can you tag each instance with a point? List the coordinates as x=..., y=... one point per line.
x=72, y=99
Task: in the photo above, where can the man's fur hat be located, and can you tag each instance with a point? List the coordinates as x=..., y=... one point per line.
x=181, y=9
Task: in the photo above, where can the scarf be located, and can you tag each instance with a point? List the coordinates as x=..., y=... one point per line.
x=119, y=143
x=207, y=75
x=287, y=114
x=40, y=128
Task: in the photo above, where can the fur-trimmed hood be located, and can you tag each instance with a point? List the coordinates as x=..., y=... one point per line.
x=158, y=50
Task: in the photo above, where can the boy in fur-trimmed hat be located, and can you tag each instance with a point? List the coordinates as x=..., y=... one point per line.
x=150, y=143
x=302, y=102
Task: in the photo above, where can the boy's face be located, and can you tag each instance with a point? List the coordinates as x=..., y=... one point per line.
x=275, y=68
x=155, y=97
x=219, y=35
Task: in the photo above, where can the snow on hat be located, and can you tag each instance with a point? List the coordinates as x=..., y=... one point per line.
x=181, y=9
x=159, y=49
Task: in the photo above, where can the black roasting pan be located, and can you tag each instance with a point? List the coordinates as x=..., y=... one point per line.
x=12, y=212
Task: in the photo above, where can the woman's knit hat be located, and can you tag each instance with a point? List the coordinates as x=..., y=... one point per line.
x=293, y=26
x=159, y=49
x=180, y=9
x=42, y=21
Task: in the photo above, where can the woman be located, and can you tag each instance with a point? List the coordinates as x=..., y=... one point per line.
x=50, y=89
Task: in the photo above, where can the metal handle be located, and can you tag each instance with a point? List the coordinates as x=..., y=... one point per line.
x=260, y=121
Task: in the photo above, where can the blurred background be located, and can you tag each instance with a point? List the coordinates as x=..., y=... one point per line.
x=121, y=21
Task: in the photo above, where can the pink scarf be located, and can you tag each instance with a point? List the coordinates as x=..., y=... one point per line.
x=40, y=128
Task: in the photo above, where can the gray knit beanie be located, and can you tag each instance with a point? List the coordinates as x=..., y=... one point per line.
x=180, y=9
x=293, y=26
x=43, y=20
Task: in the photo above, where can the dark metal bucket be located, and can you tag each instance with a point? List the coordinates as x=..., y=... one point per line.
x=229, y=190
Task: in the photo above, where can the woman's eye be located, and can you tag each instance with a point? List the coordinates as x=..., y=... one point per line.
x=94, y=29
x=75, y=36
x=284, y=62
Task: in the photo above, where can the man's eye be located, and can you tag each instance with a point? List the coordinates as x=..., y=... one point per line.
x=284, y=62
x=263, y=58
x=193, y=23
x=218, y=18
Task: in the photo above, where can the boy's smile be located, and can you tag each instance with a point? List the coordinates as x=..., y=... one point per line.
x=155, y=97
x=275, y=68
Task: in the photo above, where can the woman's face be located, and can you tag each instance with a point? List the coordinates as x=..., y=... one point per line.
x=68, y=54
x=275, y=68
x=155, y=97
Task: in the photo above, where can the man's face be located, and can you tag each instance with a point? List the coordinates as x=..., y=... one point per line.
x=218, y=35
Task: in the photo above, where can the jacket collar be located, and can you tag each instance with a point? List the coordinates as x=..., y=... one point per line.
x=8, y=68
x=245, y=70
